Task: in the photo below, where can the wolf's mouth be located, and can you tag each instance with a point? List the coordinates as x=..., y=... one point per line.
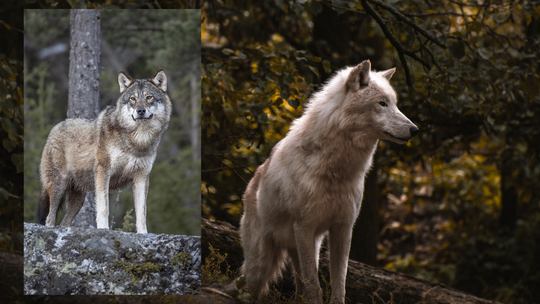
x=143, y=118
x=401, y=139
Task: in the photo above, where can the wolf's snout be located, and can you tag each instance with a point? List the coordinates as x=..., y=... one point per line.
x=414, y=131
x=141, y=111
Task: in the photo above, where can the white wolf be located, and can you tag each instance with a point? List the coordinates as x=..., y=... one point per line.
x=313, y=181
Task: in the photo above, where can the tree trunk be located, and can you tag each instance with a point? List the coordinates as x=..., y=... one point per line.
x=366, y=230
x=83, y=96
x=509, y=198
x=365, y=284
x=195, y=110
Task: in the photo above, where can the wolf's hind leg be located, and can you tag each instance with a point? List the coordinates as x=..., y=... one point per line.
x=74, y=203
x=56, y=194
x=43, y=207
x=300, y=288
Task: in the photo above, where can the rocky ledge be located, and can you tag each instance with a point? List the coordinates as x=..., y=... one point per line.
x=71, y=261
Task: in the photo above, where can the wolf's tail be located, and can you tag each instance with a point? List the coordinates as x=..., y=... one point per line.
x=43, y=207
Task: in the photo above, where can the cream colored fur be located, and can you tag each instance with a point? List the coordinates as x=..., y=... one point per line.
x=313, y=181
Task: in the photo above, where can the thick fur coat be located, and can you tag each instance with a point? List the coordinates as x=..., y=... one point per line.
x=312, y=183
x=115, y=150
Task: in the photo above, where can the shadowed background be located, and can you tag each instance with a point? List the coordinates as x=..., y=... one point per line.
x=459, y=204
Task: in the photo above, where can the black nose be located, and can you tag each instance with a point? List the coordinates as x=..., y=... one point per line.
x=141, y=111
x=414, y=131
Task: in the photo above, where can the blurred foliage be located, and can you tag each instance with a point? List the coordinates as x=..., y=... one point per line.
x=140, y=43
x=467, y=75
x=11, y=130
x=129, y=223
x=112, y=4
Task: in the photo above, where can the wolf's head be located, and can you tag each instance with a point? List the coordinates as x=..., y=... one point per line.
x=144, y=98
x=371, y=105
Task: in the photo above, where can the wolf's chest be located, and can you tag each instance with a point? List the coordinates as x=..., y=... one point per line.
x=126, y=165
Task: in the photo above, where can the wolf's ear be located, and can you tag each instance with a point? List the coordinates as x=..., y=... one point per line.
x=359, y=76
x=160, y=80
x=388, y=73
x=124, y=81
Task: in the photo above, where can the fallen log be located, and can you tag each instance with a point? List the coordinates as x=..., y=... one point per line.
x=365, y=284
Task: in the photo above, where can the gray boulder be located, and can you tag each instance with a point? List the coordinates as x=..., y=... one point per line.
x=70, y=261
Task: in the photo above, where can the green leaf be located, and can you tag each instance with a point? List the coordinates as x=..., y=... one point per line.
x=3, y=90
x=5, y=71
x=339, y=6
x=314, y=70
x=284, y=94
x=8, y=144
x=326, y=66
x=458, y=105
x=4, y=193
x=227, y=51
x=293, y=103
x=241, y=56
x=6, y=124
x=475, y=26
x=263, y=117
x=288, y=79
x=17, y=159
x=298, y=9
x=316, y=8
x=484, y=53
x=501, y=17
x=456, y=49
x=316, y=59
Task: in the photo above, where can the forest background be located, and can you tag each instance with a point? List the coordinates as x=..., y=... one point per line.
x=138, y=43
x=459, y=204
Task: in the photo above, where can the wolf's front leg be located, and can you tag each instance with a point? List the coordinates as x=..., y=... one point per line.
x=340, y=244
x=140, y=192
x=102, y=197
x=306, y=245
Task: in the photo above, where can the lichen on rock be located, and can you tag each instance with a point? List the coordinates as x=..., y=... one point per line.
x=68, y=261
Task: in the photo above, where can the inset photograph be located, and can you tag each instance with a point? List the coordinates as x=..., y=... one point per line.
x=112, y=152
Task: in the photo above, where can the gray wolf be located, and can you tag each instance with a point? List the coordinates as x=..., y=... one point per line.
x=113, y=151
x=313, y=182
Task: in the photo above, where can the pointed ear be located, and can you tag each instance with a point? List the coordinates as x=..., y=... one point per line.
x=124, y=81
x=388, y=73
x=160, y=80
x=359, y=76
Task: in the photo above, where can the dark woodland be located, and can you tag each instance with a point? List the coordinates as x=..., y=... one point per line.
x=459, y=205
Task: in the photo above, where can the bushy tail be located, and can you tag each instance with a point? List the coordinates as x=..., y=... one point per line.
x=43, y=207
x=264, y=263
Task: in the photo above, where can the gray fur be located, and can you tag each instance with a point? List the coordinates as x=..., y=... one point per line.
x=115, y=150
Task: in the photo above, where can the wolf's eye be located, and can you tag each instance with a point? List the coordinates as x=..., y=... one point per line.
x=132, y=98
x=382, y=103
x=149, y=97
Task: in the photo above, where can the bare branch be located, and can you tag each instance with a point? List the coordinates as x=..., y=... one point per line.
x=408, y=21
x=438, y=14
x=401, y=50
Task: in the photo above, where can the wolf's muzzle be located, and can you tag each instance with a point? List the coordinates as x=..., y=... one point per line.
x=141, y=114
x=414, y=131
